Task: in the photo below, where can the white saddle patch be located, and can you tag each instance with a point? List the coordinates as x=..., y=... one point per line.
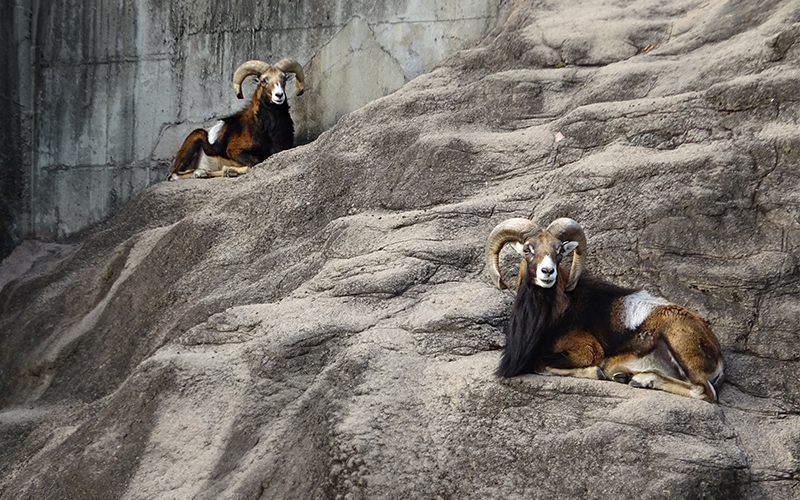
x=636, y=307
x=213, y=132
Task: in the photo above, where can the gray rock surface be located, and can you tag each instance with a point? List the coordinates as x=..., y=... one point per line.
x=322, y=327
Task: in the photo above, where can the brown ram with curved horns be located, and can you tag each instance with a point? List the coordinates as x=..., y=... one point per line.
x=567, y=322
x=248, y=137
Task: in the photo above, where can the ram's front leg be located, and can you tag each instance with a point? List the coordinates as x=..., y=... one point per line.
x=239, y=150
x=577, y=354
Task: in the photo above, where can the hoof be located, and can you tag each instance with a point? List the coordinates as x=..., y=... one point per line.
x=599, y=373
x=200, y=174
x=643, y=381
x=622, y=377
x=231, y=172
x=699, y=392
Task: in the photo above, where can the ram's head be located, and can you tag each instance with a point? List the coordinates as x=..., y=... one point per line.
x=271, y=78
x=541, y=250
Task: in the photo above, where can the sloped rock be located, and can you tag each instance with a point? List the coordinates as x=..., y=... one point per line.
x=322, y=328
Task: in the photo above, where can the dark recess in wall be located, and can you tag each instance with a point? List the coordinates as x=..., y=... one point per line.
x=12, y=168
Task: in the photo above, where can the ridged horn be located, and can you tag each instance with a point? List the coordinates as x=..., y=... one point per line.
x=566, y=229
x=291, y=66
x=253, y=67
x=510, y=230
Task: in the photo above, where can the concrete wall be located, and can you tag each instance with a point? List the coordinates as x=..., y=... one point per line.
x=102, y=92
x=15, y=126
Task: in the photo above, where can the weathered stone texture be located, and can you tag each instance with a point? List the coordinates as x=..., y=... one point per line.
x=322, y=327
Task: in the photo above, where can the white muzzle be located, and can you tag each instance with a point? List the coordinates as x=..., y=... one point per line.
x=546, y=273
x=278, y=94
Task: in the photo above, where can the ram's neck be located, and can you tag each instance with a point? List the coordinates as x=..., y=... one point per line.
x=555, y=299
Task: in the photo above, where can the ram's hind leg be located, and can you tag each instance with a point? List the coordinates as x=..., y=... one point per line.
x=695, y=348
x=656, y=370
x=653, y=380
x=577, y=354
x=189, y=154
x=216, y=166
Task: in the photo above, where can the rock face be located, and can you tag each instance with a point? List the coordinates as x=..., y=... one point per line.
x=322, y=327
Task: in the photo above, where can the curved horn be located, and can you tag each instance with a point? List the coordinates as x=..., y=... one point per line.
x=566, y=229
x=248, y=68
x=505, y=232
x=291, y=66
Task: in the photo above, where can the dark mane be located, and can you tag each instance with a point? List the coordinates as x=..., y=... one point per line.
x=277, y=129
x=530, y=319
x=272, y=131
x=540, y=315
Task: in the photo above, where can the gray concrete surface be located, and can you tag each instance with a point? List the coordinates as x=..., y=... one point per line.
x=99, y=94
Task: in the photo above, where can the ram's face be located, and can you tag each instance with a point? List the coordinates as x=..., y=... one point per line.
x=274, y=83
x=543, y=253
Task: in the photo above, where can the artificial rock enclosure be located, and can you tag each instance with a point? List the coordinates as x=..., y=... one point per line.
x=322, y=327
x=101, y=93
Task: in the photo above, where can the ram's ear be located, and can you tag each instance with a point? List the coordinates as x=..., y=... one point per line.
x=569, y=246
x=518, y=247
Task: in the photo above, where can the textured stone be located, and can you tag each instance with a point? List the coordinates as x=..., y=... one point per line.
x=322, y=326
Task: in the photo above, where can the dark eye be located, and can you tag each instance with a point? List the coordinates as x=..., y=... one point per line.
x=527, y=249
